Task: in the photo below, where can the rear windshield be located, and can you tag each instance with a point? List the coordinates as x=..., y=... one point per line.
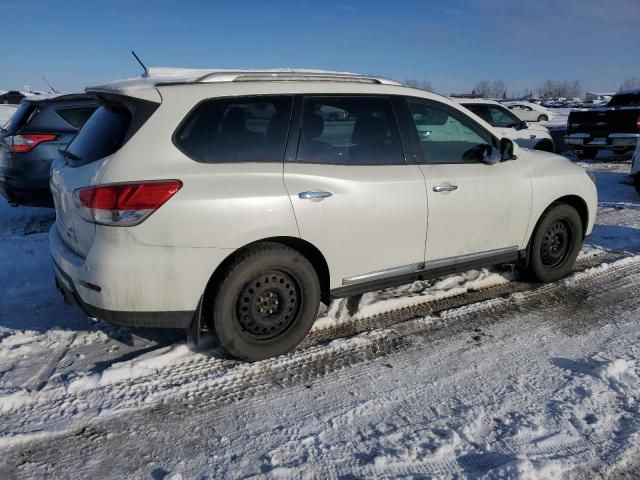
x=102, y=135
x=22, y=116
x=625, y=100
x=76, y=116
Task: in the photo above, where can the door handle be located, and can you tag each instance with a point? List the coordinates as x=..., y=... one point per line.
x=314, y=195
x=445, y=188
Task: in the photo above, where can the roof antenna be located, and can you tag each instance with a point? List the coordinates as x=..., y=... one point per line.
x=146, y=71
x=50, y=86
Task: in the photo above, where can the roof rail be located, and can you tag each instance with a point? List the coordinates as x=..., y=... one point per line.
x=291, y=76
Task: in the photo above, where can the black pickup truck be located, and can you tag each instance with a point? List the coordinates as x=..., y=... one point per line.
x=614, y=127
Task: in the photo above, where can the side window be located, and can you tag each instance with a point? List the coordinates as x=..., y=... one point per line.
x=349, y=131
x=249, y=129
x=446, y=136
x=76, y=117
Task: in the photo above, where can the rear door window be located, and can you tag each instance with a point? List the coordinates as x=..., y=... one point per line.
x=76, y=116
x=349, y=131
x=249, y=129
x=102, y=135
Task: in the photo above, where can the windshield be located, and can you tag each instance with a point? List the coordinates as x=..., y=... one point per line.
x=496, y=115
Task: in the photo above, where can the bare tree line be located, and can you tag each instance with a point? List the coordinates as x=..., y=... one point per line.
x=548, y=89
x=421, y=84
x=560, y=88
x=630, y=83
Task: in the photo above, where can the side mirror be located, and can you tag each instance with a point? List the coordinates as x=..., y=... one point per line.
x=523, y=125
x=508, y=150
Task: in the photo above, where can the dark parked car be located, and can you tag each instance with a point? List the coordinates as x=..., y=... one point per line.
x=31, y=139
x=12, y=97
x=614, y=127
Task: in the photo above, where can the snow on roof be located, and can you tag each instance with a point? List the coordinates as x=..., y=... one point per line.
x=167, y=75
x=56, y=96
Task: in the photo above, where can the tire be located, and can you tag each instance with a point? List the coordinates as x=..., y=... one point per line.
x=636, y=182
x=556, y=243
x=543, y=118
x=588, y=153
x=266, y=302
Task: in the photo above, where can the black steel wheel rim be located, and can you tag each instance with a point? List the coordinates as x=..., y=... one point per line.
x=556, y=243
x=269, y=305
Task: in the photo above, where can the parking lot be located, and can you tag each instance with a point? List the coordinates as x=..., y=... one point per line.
x=474, y=374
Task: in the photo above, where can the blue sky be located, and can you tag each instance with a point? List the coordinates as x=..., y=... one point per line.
x=454, y=44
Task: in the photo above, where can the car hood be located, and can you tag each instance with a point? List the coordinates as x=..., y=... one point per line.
x=541, y=163
x=537, y=128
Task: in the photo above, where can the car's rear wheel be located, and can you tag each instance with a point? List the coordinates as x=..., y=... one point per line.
x=543, y=118
x=556, y=243
x=266, y=302
x=587, y=153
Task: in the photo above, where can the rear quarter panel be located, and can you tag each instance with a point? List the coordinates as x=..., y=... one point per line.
x=222, y=205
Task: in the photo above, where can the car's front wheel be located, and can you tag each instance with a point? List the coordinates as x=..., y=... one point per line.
x=556, y=243
x=543, y=118
x=266, y=302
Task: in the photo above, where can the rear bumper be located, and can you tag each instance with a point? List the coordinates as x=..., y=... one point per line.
x=25, y=193
x=65, y=285
x=613, y=141
x=125, y=282
x=67, y=266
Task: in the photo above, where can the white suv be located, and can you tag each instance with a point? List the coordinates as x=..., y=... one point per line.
x=243, y=199
x=508, y=125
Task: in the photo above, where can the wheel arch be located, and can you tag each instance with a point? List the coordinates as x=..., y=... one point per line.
x=574, y=201
x=545, y=145
x=308, y=250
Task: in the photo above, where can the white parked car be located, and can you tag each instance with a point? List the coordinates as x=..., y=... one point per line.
x=530, y=112
x=635, y=167
x=509, y=125
x=175, y=206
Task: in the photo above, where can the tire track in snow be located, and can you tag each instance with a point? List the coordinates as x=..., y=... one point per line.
x=214, y=381
x=605, y=291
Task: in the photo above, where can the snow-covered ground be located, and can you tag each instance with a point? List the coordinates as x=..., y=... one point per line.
x=494, y=378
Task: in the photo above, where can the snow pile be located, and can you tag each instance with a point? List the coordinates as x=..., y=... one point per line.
x=126, y=371
x=375, y=303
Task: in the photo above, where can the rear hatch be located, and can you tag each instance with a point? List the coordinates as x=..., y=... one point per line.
x=601, y=122
x=110, y=127
x=622, y=115
x=23, y=114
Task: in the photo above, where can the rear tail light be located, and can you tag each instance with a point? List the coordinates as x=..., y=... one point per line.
x=124, y=204
x=26, y=142
x=638, y=123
